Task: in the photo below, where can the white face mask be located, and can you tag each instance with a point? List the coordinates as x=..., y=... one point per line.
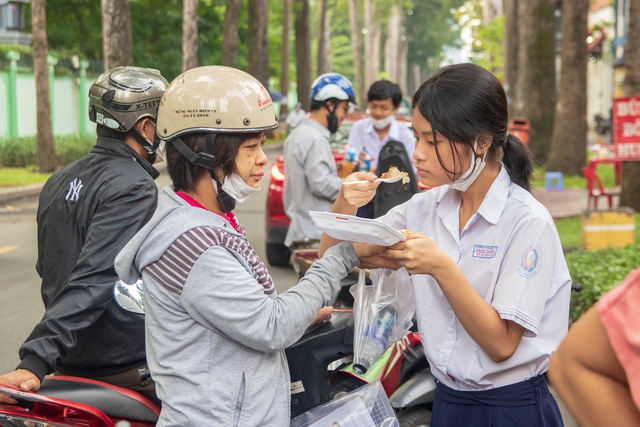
x=382, y=123
x=235, y=187
x=161, y=152
x=470, y=176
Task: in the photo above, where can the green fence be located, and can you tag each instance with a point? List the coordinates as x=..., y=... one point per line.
x=68, y=98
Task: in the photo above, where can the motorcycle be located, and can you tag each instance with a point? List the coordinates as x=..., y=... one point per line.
x=65, y=401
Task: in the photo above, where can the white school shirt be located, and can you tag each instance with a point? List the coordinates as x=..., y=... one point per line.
x=363, y=135
x=511, y=254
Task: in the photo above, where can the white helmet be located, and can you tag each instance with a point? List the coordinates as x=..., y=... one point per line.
x=332, y=85
x=215, y=99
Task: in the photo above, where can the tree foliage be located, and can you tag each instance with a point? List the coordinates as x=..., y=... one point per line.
x=486, y=38
x=75, y=29
x=430, y=26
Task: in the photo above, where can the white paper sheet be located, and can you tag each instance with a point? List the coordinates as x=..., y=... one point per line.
x=352, y=414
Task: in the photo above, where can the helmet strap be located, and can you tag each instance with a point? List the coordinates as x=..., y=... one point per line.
x=332, y=119
x=207, y=160
x=150, y=148
x=226, y=202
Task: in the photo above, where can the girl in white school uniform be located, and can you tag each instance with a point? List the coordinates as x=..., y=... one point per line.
x=490, y=281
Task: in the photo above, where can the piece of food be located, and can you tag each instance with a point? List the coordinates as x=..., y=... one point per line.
x=394, y=172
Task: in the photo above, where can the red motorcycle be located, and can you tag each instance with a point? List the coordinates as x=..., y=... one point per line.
x=64, y=401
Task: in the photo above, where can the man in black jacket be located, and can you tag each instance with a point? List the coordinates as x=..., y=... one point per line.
x=87, y=212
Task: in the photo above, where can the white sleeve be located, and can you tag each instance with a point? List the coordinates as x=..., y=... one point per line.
x=527, y=273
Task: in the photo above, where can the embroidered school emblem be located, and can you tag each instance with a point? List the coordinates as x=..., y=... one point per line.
x=531, y=262
x=484, y=251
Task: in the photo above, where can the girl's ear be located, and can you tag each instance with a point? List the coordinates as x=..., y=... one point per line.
x=484, y=143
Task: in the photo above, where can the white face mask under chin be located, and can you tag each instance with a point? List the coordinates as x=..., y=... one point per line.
x=382, y=123
x=161, y=152
x=470, y=176
x=235, y=187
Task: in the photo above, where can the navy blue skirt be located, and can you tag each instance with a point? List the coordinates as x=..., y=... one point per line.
x=525, y=404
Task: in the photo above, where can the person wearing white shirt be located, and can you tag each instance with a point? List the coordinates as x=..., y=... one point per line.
x=295, y=117
x=374, y=132
x=490, y=282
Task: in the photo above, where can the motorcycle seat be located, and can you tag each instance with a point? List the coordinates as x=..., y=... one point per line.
x=114, y=401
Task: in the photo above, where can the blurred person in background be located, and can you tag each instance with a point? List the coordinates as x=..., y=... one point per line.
x=312, y=182
x=295, y=117
x=374, y=132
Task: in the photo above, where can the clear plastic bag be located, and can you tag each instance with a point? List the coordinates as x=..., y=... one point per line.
x=382, y=314
x=367, y=406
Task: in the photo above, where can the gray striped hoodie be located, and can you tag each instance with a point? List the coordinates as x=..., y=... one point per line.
x=215, y=326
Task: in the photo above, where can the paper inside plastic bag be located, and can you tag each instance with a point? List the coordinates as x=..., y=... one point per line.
x=367, y=406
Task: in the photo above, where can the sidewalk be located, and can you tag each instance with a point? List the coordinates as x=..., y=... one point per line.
x=561, y=204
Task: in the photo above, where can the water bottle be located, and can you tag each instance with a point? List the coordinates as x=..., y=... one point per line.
x=375, y=340
x=364, y=165
x=351, y=155
x=349, y=164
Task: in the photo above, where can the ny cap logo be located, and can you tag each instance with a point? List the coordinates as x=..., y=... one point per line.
x=74, y=190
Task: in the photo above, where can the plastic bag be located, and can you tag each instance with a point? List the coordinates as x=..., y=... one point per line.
x=367, y=406
x=382, y=314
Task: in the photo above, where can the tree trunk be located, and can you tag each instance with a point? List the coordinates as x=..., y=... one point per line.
x=416, y=77
x=230, y=33
x=392, y=44
x=258, y=47
x=45, y=155
x=375, y=51
x=117, y=42
x=511, y=51
x=568, y=146
x=356, y=46
x=369, y=11
x=303, y=52
x=324, y=56
x=630, y=195
x=536, y=73
x=402, y=66
x=189, y=34
x=286, y=54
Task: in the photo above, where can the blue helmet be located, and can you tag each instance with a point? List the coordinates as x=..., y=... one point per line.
x=332, y=85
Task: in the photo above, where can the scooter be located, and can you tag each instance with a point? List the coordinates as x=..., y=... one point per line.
x=64, y=401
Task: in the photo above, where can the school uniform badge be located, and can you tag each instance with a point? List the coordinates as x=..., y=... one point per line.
x=531, y=262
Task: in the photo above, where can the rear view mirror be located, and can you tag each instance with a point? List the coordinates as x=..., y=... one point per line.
x=130, y=297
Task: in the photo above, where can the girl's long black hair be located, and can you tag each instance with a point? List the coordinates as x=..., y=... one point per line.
x=465, y=102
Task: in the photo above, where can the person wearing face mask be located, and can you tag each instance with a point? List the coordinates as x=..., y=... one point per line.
x=374, y=132
x=216, y=327
x=312, y=182
x=87, y=212
x=490, y=282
